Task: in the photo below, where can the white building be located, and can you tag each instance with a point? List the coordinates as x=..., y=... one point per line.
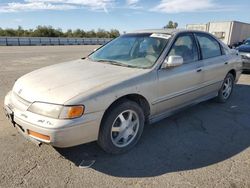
x=230, y=32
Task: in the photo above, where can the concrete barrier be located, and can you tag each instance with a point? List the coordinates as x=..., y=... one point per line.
x=39, y=41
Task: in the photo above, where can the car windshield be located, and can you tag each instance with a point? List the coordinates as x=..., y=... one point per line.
x=247, y=42
x=132, y=50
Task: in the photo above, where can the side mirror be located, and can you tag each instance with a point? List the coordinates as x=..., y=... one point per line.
x=172, y=61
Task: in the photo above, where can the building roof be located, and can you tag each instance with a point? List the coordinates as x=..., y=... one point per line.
x=218, y=22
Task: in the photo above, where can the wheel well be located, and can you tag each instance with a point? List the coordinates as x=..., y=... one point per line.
x=139, y=99
x=233, y=72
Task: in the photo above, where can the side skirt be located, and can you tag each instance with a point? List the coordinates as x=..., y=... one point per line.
x=170, y=112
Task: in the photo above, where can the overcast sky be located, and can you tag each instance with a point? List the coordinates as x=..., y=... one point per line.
x=125, y=15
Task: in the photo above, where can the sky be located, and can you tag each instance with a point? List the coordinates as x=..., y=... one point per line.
x=124, y=15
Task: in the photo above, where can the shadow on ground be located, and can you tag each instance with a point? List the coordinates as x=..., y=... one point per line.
x=200, y=136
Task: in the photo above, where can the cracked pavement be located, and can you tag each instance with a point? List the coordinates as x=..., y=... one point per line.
x=206, y=145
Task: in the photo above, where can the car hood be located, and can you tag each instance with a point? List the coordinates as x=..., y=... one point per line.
x=244, y=48
x=61, y=82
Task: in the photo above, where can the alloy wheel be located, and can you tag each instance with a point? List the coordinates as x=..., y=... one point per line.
x=125, y=128
x=227, y=87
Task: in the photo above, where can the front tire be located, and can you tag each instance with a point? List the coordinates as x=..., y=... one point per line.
x=226, y=89
x=121, y=127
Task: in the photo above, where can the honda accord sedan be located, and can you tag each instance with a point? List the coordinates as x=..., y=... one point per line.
x=137, y=78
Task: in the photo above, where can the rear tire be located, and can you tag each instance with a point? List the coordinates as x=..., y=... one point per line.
x=121, y=127
x=226, y=89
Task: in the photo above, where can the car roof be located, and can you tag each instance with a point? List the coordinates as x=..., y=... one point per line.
x=165, y=31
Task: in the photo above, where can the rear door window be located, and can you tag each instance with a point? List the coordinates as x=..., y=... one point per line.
x=209, y=46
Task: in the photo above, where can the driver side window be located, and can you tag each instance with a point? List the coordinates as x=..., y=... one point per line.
x=185, y=47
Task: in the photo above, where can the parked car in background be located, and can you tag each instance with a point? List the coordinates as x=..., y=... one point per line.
x=235, y=45
x=244, y=51
x=138, y=77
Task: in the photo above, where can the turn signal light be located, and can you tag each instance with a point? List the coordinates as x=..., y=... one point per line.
x=75, y=111
x=38, y=135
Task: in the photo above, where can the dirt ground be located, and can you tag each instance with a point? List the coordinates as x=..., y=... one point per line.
x=206, y=145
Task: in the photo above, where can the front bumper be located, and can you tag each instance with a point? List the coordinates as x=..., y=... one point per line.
x=246, y=64
x=59, y=133
x=245, y=60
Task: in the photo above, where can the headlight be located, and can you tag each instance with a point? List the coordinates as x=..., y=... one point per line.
x=57, y=111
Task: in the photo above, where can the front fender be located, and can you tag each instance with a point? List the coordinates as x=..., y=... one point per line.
x=144, y=85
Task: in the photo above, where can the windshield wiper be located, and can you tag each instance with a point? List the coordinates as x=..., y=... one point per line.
x=115, y=63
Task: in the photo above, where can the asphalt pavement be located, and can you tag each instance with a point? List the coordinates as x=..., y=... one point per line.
x=206, y=145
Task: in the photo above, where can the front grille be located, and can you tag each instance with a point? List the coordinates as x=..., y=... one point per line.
x=18, y=102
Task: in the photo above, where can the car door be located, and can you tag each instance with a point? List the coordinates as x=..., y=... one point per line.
x=178, y=86
x=215, y=62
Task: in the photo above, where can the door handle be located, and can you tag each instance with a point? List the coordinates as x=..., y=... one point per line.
x=198, y=70
x=226, y=63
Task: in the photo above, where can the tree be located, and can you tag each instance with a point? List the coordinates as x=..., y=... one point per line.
x=114, y=33
x=20, y=31
x=78, y=33
x=10, y=33
x=1, y=32
x=171, y=25
x=90, y=34
x=68, y=33
x=101, y=33
x=46, y=31
x=49, y=31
